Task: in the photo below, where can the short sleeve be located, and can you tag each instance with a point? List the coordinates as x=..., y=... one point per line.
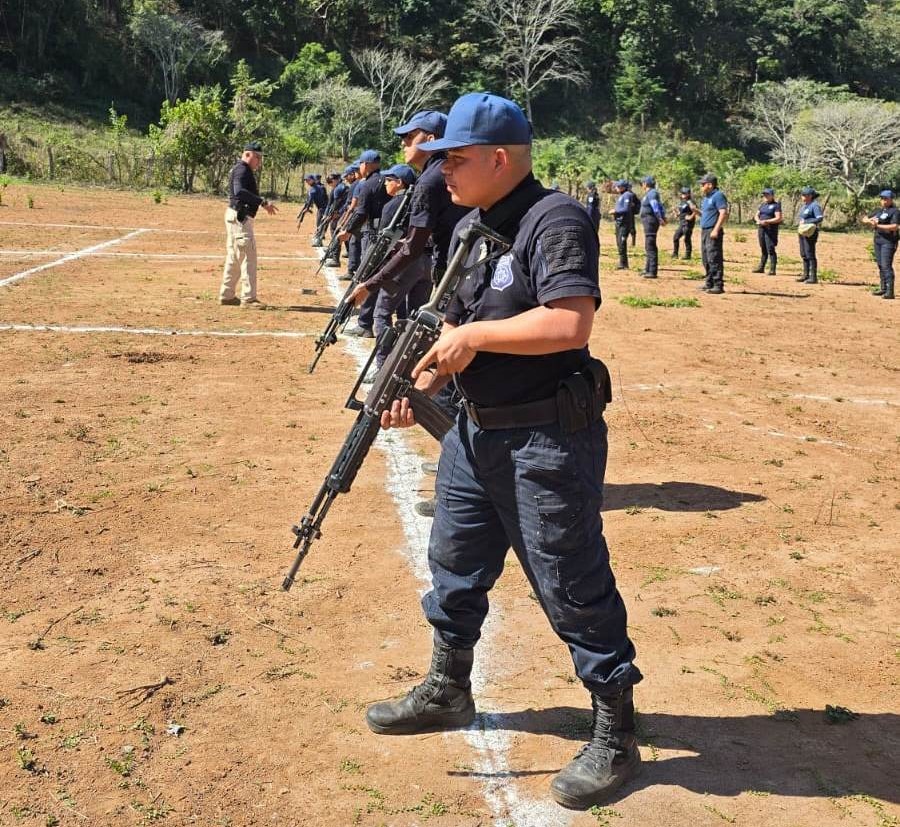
x=425, y=207
x=565, y=260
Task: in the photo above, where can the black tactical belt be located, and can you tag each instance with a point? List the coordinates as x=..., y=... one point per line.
x=526, y=415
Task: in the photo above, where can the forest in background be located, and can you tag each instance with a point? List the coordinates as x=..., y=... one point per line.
x=158, y=93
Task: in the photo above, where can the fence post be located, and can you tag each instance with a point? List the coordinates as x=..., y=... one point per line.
x=51, y=163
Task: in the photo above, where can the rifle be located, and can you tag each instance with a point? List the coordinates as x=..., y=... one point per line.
x=302, y=214
x=335, y=244
x=322, y=224
x=410, y=339
x=375, y=255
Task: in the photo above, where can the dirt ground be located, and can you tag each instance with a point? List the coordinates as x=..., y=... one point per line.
x=150, y=470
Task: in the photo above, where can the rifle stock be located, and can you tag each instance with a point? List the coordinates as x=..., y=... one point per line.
x=410, y=340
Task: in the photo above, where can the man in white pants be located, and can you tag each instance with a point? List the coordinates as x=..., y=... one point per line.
x=240, y=256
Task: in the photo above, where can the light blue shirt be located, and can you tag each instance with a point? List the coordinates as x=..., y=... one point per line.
x=709, y=208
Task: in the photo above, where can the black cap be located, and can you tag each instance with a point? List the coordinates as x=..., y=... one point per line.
x=685, y=190
x=253, y=146
x=709, y=178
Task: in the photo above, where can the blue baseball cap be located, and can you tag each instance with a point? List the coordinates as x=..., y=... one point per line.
x=768, y=191
x=685, y=190
x=427, y=120
x=370, y=156
x=309, y=177
x=809, y=191
x=349, y=170
x=482, y=118
x=253, y=146
x=649, y=180
x=886, y=194
x=402, y=171
x=709, y=178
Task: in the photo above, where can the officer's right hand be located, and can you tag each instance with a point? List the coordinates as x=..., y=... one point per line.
x=399, y=416
x=271, y=209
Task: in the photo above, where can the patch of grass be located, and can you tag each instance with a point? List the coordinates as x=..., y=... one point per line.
x=662, y=611
x=26, y=759
x=121, y=766
x=839, y=714
x=644, y=301
x=693, y=275
x=350, y=767
x=604, y=814
x=828, y=276
x=710, y=809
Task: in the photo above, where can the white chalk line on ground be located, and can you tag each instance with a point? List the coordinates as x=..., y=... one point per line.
x=486, y=736
x=187, y=256
x=852, y=400
x=87, y=251
x=155, y=331
x=145, y=229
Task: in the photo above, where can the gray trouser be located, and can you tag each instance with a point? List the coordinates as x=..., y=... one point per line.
x=413, y=289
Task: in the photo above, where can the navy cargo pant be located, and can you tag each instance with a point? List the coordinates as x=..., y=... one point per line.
x=367, y=308
x=768, y=244
x=622, y=232
x=651, y=227
x=884, y=255
x=713, y=256
x=686, y=231
x=539, y=491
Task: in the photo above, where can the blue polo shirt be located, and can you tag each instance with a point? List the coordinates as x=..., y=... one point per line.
x=709, y=208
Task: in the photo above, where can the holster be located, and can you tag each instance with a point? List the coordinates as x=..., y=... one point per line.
x=582, y=397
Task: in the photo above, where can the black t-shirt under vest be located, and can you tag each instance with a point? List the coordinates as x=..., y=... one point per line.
x=886, y=215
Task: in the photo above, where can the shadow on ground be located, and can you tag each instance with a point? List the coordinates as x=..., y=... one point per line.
x=674, y=496
x=795, y=752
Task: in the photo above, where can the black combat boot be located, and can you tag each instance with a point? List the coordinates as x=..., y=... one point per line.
x=607, y=762
x=761, y=267
x=805, y=275
x=772, y=265
x=888, y=289
x=442, y=701
x=880, y=290
x=812, y=278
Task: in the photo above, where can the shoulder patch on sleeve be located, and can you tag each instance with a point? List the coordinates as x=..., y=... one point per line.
x=561, y=249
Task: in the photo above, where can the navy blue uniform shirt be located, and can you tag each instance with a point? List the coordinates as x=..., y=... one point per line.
x=555, y=255
x=887, y=215
x=592, y=204
x=651, y=205
x=433, y=209
x=766, y=212
x=243, y=191
x=709, y=208
x=686, y=211
x=626, y=207
x=810, y=213
x=371, y=198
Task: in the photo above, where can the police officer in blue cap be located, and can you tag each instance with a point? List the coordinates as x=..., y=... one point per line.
x=809, y=220
x=687, y=217
x=422, y=254
x=713, y=215
x=623, y=213
x=885, y=221
x=592, y=205
x=370, y=198
x=768, y=217
x=340, y=196
x=653, y=216
x=523, y=466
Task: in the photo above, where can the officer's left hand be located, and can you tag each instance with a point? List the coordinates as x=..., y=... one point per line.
x=451, y=353
x=359, y=295
x=344, y=237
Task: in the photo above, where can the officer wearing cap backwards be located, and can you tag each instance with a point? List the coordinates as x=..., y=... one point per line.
x=713, y=215
x=768, y=217
x=523, y=466
x=432, y=216
x=809, y=220
x=623, y=213
x=687, y=217
x=244, y=201
x=653, y=215
x=886, y=223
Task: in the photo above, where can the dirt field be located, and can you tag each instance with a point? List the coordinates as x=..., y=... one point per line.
x=153, y=671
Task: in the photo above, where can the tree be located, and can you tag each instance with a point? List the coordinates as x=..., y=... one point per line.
x=401, y=84
x=854, y=141
x=175, y=40
x=251, y=114
x=310, y=67
x=534, y=44
x=348, y=110
x=193, y=135
x=773, y=110
x=638, y=93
